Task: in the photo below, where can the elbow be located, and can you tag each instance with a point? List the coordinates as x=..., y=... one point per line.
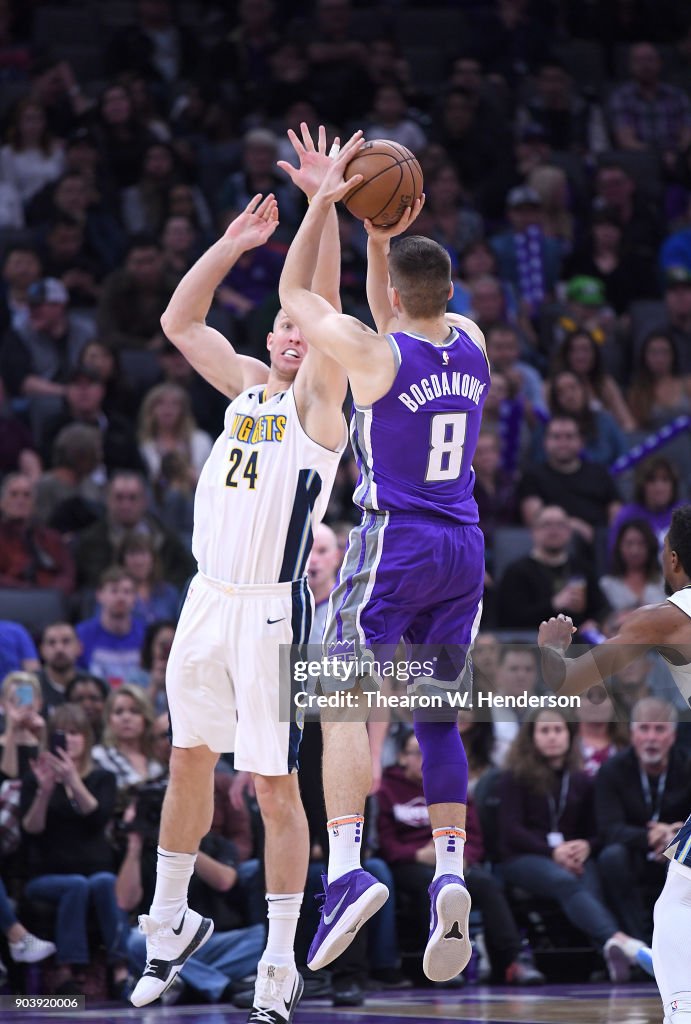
x=175, y=326
x=287, y=295
x=169, y=326
x=284, y=295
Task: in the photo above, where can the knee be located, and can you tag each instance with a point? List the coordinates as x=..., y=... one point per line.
x=566, y=885
x=102, y=881
x=278, y=797
x=192, y=761
x=441, y=743
x=78, y=885
x=614, y=860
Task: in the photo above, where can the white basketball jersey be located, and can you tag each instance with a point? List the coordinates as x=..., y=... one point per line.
x=261, y=493
x=681, y=674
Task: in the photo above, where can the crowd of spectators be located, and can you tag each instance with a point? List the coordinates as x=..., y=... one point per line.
x=555, y=140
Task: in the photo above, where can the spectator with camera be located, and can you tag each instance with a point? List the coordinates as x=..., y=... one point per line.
x=25, y=727
x=233, y=951
x=65, y=805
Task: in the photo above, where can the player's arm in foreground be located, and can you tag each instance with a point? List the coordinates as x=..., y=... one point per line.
x=366, y=356
x=656, y=626
x=184, y=321
x=321, y=383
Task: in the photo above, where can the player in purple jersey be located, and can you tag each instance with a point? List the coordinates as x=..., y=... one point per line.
x=414, y=568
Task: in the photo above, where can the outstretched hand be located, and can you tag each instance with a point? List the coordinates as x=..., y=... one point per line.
x=409, y=215
x=256, y=224
x=314, y=162
x=334, y=186
x=556, y=632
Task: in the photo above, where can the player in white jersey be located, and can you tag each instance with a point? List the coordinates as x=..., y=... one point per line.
x=260, y=496
x=665, y=628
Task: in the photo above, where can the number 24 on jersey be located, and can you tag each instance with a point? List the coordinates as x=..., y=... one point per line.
x=249, y=471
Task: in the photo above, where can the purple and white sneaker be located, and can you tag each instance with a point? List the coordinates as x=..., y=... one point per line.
x=448, y=948
x=348, y=902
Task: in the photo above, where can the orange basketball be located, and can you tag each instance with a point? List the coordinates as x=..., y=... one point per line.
x=392, y=181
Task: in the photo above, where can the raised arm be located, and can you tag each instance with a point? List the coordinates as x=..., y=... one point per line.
x=364, y=354
x=378, y=245
x=321, y=383
x=184, y=321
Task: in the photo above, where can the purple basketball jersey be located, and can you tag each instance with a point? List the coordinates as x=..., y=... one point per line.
x=415, y=445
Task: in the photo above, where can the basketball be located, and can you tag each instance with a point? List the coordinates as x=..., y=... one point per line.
x=392, y=181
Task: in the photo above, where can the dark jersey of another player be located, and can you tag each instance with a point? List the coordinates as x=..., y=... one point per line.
x=415, y=446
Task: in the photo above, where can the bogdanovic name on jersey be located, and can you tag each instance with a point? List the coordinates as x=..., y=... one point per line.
x=255, y=430
x=438, y=385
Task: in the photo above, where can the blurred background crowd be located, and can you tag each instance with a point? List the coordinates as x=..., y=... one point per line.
x=555, y=140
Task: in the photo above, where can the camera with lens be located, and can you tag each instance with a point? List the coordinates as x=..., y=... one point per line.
x=149, y=802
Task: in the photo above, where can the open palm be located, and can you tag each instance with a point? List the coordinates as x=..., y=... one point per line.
x=314, y=162
x=256, y=224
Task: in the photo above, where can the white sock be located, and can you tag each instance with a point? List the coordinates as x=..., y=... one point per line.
x=449, y=844
x=283, y=912
x=345, y=844
x=173, y=873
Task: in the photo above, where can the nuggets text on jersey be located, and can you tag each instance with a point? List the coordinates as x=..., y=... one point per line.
x=255, y=430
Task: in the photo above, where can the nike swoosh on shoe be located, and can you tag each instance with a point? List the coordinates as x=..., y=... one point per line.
x=328, y=918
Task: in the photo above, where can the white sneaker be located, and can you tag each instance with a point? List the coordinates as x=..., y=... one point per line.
x=30, y=949
x=276, y=994
x=619, y=955
x=167, y=950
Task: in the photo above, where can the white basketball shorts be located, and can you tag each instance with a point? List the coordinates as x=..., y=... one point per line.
x=223, y=677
